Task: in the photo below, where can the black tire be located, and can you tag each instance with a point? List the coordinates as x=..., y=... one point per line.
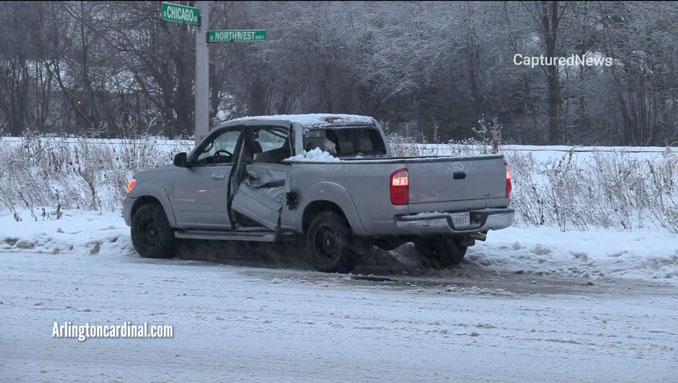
x=330, y=243
x=151, y=233
x=440, y=252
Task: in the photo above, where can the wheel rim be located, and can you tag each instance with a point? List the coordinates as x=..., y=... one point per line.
x=150, y=233
x=327, y=244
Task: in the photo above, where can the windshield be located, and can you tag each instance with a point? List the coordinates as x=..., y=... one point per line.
x=343, y=141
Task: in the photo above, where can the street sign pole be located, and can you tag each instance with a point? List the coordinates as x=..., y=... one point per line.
x=202, y=74
x=200, y=16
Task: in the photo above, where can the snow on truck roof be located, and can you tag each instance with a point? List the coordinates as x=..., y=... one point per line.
x=312, y=120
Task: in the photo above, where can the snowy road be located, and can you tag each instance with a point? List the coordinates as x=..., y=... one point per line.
x=236, y=322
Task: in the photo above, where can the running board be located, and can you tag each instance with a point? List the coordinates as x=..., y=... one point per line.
x=260, y=236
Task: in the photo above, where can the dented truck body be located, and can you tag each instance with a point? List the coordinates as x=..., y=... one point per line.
x=250, y=180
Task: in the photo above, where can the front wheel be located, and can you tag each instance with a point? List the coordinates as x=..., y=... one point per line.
x=440, y=252
x=151, y=233
x=330, y=243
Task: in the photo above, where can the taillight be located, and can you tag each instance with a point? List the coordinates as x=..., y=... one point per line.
x=509, y=186
x=130, y=186
x=400, y=187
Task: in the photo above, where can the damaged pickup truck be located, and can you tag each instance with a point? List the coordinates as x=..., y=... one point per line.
x=328, y=180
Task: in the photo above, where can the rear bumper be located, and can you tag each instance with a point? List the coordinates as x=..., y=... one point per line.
x=441, y=223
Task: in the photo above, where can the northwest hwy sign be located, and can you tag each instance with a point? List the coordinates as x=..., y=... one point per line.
x=236, y=35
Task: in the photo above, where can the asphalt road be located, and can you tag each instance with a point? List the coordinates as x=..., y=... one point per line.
x=259, y=316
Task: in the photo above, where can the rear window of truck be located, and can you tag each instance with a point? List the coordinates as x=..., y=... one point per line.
x=345, y=142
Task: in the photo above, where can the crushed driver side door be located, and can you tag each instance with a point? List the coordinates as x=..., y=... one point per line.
x=260, y=195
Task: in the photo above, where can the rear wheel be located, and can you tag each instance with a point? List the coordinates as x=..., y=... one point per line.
x=151, y=233
x=330, y=243
x=440, y=252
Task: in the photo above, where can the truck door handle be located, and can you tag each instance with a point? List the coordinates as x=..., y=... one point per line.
x=459, y=175
x=220, y=177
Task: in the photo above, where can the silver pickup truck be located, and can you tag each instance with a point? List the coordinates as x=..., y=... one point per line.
x=327, y=179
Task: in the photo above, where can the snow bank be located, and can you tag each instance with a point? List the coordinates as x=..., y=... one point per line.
x=648, y=254
x=642, y=254
x=74, y=232
x=314, y=155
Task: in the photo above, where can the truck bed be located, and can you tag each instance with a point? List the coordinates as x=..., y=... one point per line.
x=436, y=184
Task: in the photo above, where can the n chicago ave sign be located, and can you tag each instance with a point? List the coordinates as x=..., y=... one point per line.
x=180, y=13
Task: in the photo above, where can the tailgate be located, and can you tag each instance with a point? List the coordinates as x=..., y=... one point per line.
x=457, y=179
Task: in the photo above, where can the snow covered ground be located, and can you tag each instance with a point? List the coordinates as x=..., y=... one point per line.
x=650, y=255
x=529, y=305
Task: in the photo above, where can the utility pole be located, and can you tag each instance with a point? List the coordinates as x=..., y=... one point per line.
x=202, y=76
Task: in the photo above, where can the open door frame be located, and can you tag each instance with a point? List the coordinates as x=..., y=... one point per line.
x=261, y=202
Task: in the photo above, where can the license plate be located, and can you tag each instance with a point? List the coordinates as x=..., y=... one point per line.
x=460, y=219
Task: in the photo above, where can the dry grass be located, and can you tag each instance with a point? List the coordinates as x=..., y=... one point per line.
x=86, y=174
x=602, y=190
x=573, y=191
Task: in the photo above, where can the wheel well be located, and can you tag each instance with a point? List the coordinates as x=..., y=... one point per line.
x=143, y=201
x=315, y=208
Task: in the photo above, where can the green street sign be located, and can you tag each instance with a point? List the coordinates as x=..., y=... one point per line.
x=180, y=13
x=235, y=35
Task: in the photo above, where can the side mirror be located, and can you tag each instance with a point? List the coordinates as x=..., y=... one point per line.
x=181, y=160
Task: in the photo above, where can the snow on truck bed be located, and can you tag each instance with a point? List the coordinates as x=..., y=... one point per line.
x=314, y=155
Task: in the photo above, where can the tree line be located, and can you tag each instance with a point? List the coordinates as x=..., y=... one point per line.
x=432, y=70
